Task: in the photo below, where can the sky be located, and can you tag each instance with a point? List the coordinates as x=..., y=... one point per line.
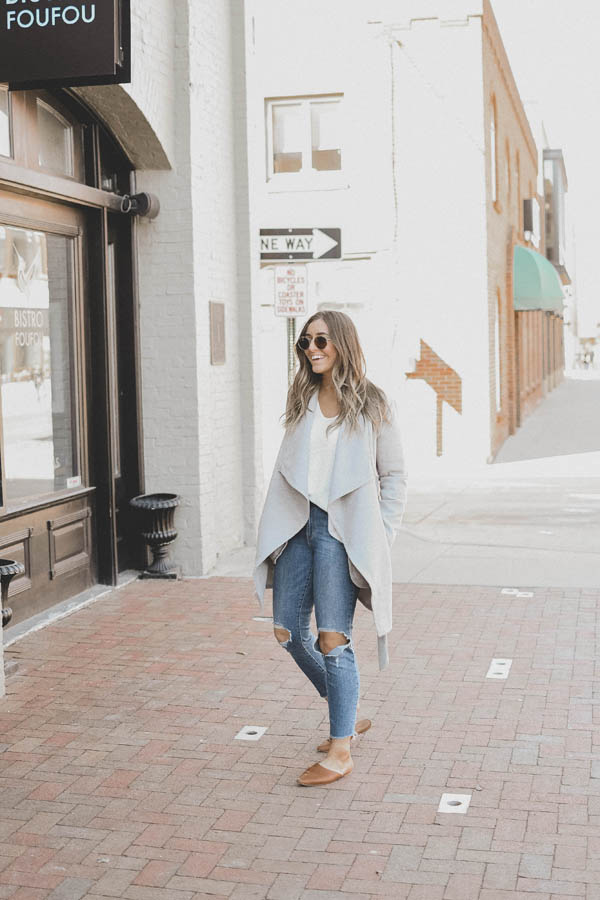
x=553, y=50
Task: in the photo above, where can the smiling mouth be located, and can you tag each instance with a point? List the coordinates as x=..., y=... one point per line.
x=316, y=358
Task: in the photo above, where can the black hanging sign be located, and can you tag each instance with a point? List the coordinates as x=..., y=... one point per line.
x=63, y=43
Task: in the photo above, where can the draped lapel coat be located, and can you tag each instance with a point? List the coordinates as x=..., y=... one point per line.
x=367, y=496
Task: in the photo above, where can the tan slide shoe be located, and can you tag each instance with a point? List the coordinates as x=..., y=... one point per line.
x=361, y=726
x=319, y=776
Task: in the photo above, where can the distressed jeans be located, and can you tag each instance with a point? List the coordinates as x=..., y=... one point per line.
x=313, y=571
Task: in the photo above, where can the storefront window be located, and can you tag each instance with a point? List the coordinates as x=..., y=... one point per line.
x=36, y=364
x=4, y=122
x=55, y=137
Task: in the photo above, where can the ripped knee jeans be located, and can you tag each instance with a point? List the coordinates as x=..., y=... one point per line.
x=313, y=571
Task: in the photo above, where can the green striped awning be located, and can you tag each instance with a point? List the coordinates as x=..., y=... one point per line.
x=536, y=283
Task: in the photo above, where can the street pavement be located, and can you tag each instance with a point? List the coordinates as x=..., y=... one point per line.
x=531, y=519
x=121, y=776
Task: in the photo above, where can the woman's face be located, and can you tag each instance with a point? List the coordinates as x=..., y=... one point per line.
x=322, y=361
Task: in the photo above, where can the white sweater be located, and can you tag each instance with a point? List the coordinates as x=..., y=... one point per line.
x=322, y=453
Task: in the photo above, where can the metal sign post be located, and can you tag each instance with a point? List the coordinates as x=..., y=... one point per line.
x=291, y=345
x=292, y=245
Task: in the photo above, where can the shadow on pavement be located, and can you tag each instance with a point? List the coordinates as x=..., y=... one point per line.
x=566, y=422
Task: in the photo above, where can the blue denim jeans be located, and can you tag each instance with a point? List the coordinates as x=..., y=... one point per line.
x=313, y=571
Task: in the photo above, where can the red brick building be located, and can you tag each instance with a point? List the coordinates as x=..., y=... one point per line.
x=525, y=322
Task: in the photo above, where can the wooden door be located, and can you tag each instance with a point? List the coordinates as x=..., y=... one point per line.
x=47, y=492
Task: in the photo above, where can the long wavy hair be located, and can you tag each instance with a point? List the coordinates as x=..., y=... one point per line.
x=357, y=396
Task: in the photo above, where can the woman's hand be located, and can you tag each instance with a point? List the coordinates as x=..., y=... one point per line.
x=392, y=474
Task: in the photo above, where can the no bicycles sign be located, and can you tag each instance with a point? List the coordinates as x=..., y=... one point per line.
x=290, y=291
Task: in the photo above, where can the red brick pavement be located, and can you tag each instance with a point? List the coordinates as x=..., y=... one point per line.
x=120, y=775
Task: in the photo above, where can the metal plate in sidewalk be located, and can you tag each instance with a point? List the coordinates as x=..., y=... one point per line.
x=250, y=733
x=499, y=668
x=454, y=803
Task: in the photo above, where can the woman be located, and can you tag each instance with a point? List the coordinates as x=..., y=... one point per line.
x=334, y=504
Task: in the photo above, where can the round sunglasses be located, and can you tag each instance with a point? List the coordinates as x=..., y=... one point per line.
x=320, y=342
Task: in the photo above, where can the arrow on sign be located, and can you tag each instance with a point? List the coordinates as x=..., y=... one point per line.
x=300, y=243
x=323, y=243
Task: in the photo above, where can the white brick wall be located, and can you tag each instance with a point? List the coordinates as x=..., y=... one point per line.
x=216, y=248
x=197, y=417
x=155, y=54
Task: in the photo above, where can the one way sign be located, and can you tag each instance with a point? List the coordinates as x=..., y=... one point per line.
x=300, y=243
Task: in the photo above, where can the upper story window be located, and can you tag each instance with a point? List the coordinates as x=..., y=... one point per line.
x=288, y=137
x=555, y=187
x=517, y=180
x=4, y=122
x=494, y=151
x=304, y=137
x=326, y=138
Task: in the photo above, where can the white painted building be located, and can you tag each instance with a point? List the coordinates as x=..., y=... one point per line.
x=370, y=117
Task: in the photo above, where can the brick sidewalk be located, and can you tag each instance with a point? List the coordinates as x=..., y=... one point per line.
x=121, y=777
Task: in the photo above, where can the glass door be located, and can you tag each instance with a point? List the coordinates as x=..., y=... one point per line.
x=46, y=511
x=41, y=452
x=69, y=408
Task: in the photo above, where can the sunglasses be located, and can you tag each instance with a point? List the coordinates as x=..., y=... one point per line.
x=320, y=342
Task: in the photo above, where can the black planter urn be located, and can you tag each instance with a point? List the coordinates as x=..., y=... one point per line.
x=156, y=517
x=8, y=569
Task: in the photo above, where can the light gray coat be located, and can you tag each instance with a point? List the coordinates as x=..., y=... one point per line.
x=367, y=496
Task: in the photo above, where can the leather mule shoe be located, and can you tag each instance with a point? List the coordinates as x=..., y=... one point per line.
x=361, y=726
x=318, y=776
